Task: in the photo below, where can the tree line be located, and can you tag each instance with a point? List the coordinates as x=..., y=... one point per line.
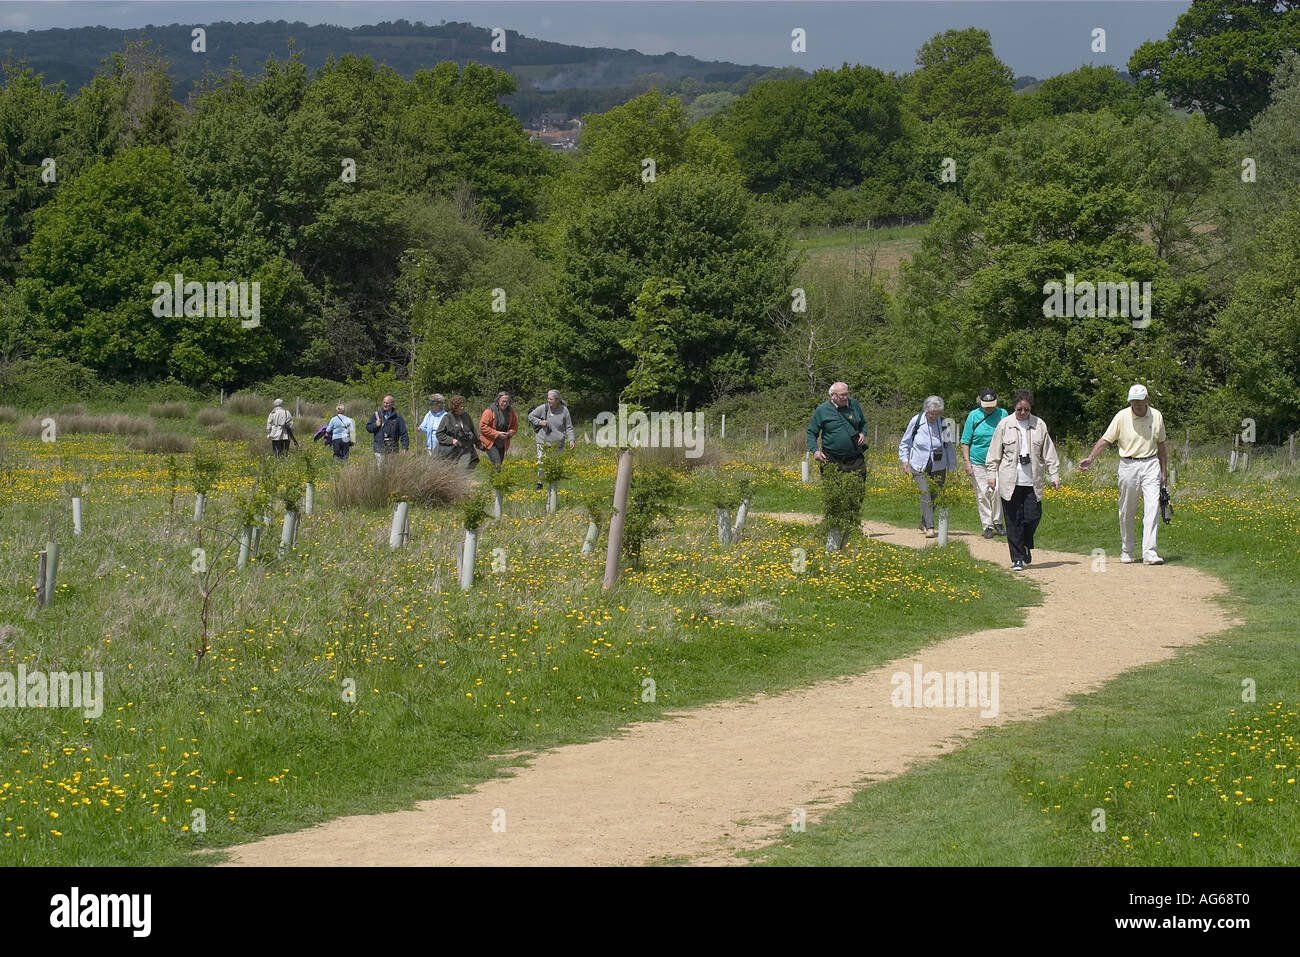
x=410, y=224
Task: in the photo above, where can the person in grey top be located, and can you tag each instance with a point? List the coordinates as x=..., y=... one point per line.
x=554, y=426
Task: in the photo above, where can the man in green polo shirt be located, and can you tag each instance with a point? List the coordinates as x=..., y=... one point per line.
x=842, y=428
x=975, y=435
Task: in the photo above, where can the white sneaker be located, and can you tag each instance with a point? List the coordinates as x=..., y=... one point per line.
x=1153, y=559
x=1125, y=558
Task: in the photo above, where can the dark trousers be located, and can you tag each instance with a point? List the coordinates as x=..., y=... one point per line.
x=280, y=446
x=341, y=449
x=1022, y=515
x=496, y=454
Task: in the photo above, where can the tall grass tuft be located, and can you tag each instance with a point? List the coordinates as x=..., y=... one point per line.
x=212, y=416
x=169, y=410
x=417, y=479
x=115, y=424
x=236, y=432
x=8, y=413
x=248, y=403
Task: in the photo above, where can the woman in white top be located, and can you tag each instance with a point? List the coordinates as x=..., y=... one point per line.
x=927, y=454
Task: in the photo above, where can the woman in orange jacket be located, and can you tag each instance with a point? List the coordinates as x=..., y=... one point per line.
x=496, y=426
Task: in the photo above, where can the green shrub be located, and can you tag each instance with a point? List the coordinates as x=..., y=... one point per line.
x=842, y=495
x=476, y=509
x=654, y=490
x=309, y=388
x=205, y=470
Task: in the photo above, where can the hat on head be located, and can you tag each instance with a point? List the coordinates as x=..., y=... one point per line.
x=988, y=397
x=1137, y=393
x=437, y=398
x=277, y=403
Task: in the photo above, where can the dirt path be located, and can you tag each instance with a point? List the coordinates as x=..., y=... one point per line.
x=712, y=780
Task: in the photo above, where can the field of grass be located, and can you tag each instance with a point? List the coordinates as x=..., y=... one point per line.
x=344, y=676
x=850, y=248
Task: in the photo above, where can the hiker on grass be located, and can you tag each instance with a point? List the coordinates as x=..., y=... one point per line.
x=279, y=427
x=1021, y=459
x=429, y=424
x=457, y=437
x=975, y=435
x=927, y=455
x=342, y=432
x=389, y=430
x=554, y=426
x=1143, y=471
x=841, y=426
x=496, y=427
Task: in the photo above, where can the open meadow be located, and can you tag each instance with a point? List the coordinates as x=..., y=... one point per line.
x=344, y=676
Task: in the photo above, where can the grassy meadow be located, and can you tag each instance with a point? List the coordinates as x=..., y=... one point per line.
x=344, y=676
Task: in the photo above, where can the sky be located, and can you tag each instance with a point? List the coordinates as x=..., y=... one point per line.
x=1034, y=37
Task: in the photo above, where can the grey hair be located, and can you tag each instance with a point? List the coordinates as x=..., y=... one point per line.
x=556, y=393
x=933, y=404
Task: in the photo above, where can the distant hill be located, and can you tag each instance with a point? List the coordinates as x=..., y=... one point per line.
x=555, y=77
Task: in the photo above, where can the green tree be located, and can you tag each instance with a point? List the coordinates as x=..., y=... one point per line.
x=1085, y=90
x=96, y=254
x=650, y=340
x=700, y=230
x=1220, y=57
x=960, y=79
x=1057, y=197
x=127, y=103
x=1257, y=337
x=828, y=131
x=33, y=118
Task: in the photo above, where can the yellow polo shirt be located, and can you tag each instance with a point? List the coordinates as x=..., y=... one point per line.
x=1137, y=438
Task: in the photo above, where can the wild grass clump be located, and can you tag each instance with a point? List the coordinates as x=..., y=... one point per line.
x=160, y=443
x=248, y=403
x=710, y=456
x=8, y=413
x=74, y=423
x=169, y=410
x=417, y=479
x=235, y=432
x=211, y=416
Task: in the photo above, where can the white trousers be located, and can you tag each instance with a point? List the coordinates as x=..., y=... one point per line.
x=987, y=500
x=1139, y=479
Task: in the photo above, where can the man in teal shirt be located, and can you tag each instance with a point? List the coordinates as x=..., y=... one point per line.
x=975, y=437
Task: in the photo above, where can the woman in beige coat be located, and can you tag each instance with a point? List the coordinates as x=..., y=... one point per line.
x=1021, y=459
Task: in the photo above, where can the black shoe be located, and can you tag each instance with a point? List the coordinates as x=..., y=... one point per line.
x=1017, y=567
x=1029, y=557
x=988, y=531
x=539, y=486
x=999, y=529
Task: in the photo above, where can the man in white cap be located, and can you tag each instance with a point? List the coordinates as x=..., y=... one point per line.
x=1143, y=469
